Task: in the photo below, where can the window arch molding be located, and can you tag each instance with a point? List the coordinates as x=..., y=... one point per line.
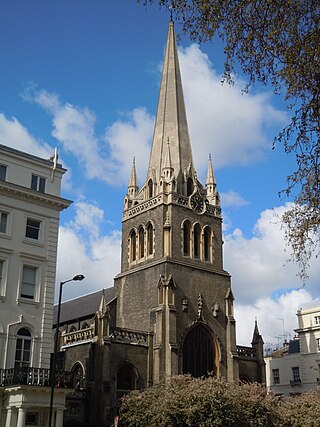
x=186, y=237
x=196, y=240
x=150, y=238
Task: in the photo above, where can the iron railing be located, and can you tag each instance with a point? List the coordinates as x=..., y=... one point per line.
x=35, y=377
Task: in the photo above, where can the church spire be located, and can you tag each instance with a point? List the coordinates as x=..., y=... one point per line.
x=171, y=120
x=133, y=185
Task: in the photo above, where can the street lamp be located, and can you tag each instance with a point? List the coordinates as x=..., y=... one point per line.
x=55, y=349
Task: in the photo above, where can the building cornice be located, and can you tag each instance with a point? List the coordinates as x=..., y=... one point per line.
x=26, y=194
x=168, y=260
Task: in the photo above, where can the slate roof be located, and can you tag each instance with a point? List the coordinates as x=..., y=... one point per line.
x=82, y=307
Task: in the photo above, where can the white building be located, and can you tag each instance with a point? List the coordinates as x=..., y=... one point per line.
x=295, y=368
x=30, y=206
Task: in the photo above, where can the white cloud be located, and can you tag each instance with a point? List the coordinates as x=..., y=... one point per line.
x=259, y=264
x=232, y=199
x=264, y=284
x=108, y=157
x=82, y=249
x=130, y=137
x=15, y=135
x=222, y=120
x=276, y=317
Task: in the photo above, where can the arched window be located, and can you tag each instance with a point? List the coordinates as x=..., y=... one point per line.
x=73, y=329
x=141, y=242
x=126, y=380
x=23, y=348
x=85, y=325
x=77, y=375
x=133, y=246
x=196, y=240
x=150, y=188
x=186, y=238
x=198, y=353
x=189, y=186
x=207, y=244
x=149, y=239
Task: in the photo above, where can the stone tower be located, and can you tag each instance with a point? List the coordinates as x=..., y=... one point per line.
x=172, y=282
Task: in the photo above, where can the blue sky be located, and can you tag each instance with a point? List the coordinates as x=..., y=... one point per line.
x=84, y=76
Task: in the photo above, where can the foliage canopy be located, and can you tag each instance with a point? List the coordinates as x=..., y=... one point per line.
x=274, y=42
x=186, y=402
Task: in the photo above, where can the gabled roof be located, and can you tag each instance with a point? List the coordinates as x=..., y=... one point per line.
x=82, y=307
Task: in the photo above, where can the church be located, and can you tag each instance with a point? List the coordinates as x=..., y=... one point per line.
x=171, y=308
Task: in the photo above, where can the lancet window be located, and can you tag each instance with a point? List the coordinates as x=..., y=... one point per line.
x=189, y=186
x=141, y=242
x=207, y=244
x=133, y=246
x=186, y=238
x=150, y=188
x=150, y=232
x=196, y=240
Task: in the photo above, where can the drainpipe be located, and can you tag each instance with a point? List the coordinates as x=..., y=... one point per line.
x=7, y=339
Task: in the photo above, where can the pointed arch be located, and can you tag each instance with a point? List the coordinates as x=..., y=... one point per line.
x=126, y=379
x=189, y=186
x=186, y=237
x=133, y=245
x=141, y=242
x=150, y=238
x=200, y=356
x=196, y=240
x=150, y=188
x=207, y=244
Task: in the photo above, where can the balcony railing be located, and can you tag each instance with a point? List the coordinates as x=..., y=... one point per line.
x=35, y=377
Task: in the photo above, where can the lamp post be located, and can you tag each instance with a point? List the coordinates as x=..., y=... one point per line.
x=55, y=349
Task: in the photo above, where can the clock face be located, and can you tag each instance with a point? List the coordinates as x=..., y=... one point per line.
x=197, y=203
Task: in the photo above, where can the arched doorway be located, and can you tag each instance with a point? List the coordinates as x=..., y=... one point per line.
x=198, y=352
x=126, y=380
